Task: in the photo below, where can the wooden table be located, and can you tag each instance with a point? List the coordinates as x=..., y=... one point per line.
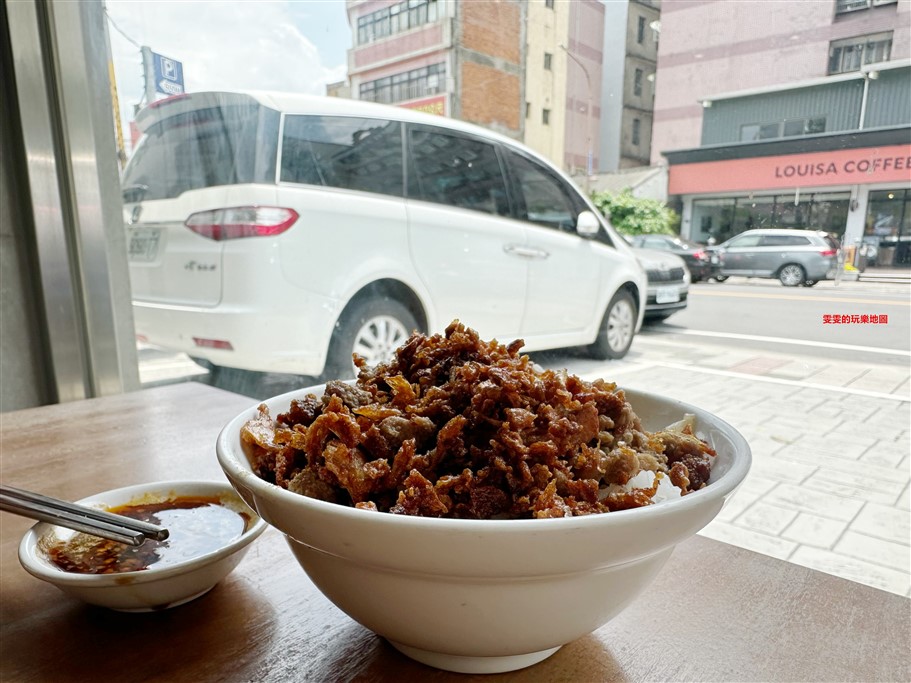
x=716, y=612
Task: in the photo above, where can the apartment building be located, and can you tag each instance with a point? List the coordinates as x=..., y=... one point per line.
x=458, y=59
x=631, y=32
x=789, y=115
x=530, y=69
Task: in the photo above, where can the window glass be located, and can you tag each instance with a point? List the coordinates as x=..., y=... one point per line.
x=548, y=61
x=345, y=152
x=456, y=170
x=543, y=198
x=713, y=219
x=637, y=131
x=640, y=30
x=204, y=148
x=745, y=241
x=653, y=242
x=783, y=241
x=637, y=82
x=849, y=54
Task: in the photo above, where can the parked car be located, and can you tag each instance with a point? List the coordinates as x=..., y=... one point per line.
x=697, y=257
x=794, y=257
x=282, y=233
x=668, y=283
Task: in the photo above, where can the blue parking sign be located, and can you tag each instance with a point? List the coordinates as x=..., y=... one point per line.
x=168, y=75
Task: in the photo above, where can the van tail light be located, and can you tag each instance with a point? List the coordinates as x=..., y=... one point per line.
x=223, y=344
x=828, y=252
x=242, y=221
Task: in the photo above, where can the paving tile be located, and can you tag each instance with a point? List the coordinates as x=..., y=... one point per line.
x=751, y=540
x=884, y=379
x=793, y=472
x=815, y=502
x=904, y=500
x=766, y=518
x=869, y=549
x=856, y=485
x=825, y=462
x=852, y=569
x=852, y=448
x=813, y=530
x=836, y=375
x=885, y=454
x=796, y=370
x=883, y=522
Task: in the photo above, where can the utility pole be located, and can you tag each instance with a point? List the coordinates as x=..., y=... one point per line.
x=148, y=71
x=588, y=81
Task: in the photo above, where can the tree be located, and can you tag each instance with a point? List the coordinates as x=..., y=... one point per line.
x=636, y=215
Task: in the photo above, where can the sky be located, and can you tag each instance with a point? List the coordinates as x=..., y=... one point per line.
x=290, y=45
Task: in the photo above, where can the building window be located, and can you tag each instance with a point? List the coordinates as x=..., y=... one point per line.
x=637, y=82
x=545, y=117
x=527, y=109
x=640, y=30
x=843, y=6
x=752, y=132
x=548, y=61
x=409, y=85
x=395, y=19
x=637, y=125
x=851, y=54
x=549, y=4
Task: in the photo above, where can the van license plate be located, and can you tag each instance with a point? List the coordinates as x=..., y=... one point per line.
x=667, y=295
x=144, y=244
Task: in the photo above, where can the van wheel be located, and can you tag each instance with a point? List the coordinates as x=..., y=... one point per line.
x=617, y=328
x=372, y=328
x=792, y=275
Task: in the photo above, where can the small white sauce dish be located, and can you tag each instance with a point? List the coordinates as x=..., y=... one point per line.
x=154, y=588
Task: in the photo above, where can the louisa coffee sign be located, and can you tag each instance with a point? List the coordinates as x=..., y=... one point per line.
x=850, y=167
x=842, y=167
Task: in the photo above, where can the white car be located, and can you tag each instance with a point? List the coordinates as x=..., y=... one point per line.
x=282, y=233
x=668, y=283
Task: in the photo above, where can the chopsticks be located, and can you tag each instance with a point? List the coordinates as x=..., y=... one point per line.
x=78, y=517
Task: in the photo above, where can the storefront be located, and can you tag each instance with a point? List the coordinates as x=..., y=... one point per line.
x=856, y=186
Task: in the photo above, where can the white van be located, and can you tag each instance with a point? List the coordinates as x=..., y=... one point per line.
x=282, y=233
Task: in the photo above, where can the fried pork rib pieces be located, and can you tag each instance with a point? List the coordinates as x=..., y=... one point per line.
x=457, y=427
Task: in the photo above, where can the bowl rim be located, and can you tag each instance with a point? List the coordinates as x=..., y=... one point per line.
x=228, y=455
x=29, y=552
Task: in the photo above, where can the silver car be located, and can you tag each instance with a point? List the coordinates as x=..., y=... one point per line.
x=794, y=257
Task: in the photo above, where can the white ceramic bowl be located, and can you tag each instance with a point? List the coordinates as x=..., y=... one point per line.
x=486, y=596
x=155, y=588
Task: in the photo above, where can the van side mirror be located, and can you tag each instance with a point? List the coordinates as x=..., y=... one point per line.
x=587, y=224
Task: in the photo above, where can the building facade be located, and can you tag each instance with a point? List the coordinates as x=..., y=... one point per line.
x=530, y=69
x=789, y=115
x=628, y=87
x=460, y=59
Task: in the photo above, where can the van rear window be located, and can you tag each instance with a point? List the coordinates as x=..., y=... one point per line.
x=223, y=145
x=341, y=151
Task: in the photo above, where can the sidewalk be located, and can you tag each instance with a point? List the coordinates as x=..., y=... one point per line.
x=829, y=486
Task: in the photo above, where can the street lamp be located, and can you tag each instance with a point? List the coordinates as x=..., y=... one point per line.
x=588, y=82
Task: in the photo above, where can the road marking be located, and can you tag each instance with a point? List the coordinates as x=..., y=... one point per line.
x=830, y=299
x=777, y=380
x=794, y=342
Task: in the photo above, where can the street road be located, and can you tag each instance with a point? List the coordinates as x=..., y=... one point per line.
x=740, y=314
x=771, y=310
